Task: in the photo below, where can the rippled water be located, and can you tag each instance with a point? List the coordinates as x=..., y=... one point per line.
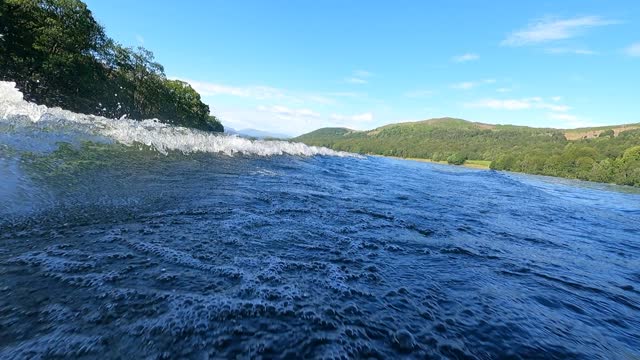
x=136, y=254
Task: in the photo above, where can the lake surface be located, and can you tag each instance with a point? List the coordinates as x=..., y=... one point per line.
x=284, y=251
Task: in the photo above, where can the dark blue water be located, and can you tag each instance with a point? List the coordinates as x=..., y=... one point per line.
x=206, y=256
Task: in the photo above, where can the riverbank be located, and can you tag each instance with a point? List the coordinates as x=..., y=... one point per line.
x=474, y=164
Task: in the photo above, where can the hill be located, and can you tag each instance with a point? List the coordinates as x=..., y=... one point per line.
x=605, y=154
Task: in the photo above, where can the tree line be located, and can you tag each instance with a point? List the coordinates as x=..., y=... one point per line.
x=59, y=55
x=608, y=158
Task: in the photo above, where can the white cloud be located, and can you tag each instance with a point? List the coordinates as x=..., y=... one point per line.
x=556, y=98
x=294, y=113
x=355, y=80
x=364, y=117
x=633, y=49
x=257, y=92
x=251, y=91
x=287, y=113
x=553, y=29
x=466, y=85
x=271, y=121
x=572, y=121
x=346, y=94
x=288, y=120
x=509, y=104
x=362, y=73
x=419, y=94
x=140, y=39
x=560, y=51
x=358, y=77
x=518, y=104
x=465, y=57
x=503, y=90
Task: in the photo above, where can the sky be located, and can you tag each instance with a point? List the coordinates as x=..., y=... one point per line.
x=294, y=66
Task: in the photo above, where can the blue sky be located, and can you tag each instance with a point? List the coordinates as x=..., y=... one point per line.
x=294, y=66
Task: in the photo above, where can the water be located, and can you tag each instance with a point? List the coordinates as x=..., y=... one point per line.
x=185, y=245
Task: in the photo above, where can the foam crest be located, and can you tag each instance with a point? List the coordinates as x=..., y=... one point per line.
x=18, y=113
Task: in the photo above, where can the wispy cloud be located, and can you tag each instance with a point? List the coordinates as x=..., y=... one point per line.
x=355, y=80
x=364, y=117
x=257, y=92
x=282, y=110
x=359, y=77
x=553, y=29
x=288, y=113
x=466, y=85
x=465, y=57
x=362, y=73
x=250, y=91
x=419, y=94
x=346, y=94
x=633, y=50
x=276, y=119
x=508, y=104
x=140, y=39
x=518, y=104
x=503, y=90
x=572, y=121
x=560, y=51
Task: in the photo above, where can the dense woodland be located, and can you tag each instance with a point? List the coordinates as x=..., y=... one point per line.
x=608, y=157
x=59, y=55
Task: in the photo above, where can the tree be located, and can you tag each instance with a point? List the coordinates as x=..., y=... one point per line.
x=186, y=108
x=50, y=49
x=59, y=55
x=606, y=133
x=632, y=154
x=456, y=159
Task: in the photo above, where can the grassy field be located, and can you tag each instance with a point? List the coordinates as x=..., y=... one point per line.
x=475, y=164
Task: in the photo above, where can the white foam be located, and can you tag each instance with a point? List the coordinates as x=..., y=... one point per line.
x=150, y=132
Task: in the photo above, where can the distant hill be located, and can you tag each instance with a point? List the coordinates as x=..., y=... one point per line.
x=256, y=134
x=593, y=132
x=604, y=154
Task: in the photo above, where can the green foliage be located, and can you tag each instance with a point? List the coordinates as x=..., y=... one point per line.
x=456, y=159
x=609, y=158
x=607, y=133
x=59, y=55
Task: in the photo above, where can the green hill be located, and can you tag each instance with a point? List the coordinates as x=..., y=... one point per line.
x=605, y=154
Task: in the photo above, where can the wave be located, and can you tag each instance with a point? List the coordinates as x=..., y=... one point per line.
x=18, y=116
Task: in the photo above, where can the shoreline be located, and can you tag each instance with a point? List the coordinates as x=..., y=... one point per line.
x=598, y=185
x=473, y=164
